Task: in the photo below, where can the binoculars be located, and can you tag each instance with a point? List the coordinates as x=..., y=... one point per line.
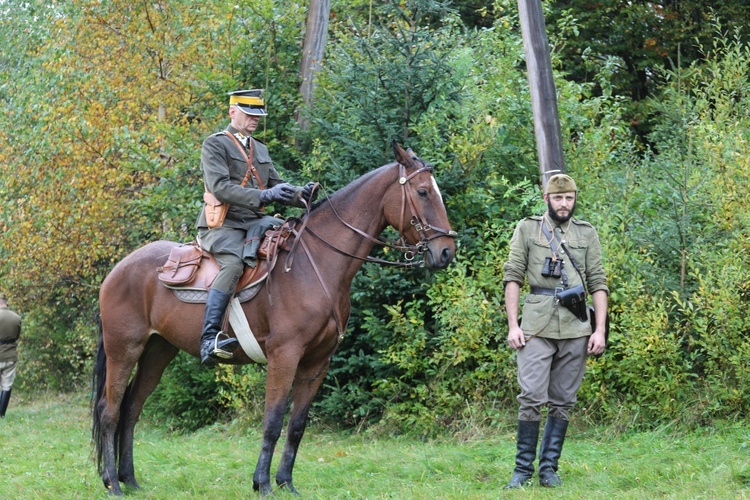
x=552, y=268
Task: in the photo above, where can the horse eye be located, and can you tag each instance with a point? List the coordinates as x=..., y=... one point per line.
x=422, y=193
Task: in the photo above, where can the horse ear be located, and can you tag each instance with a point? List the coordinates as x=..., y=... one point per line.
x=401, y=155
x=397, y=150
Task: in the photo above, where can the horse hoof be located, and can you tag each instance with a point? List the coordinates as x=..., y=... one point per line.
x=263, y=489
x=115, y=490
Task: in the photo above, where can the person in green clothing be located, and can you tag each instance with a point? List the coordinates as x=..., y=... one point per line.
x=235, y=243
x=554, y=253
x=10, y=331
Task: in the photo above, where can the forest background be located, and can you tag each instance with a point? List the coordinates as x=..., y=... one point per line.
x=105, y=105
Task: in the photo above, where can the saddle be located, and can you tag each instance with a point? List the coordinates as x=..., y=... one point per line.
x=190, y=270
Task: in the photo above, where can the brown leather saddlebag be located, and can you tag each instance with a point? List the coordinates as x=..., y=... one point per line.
x=181, y=266
x=274, y=239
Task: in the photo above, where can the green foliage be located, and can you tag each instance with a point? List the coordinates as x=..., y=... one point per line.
x=56, y=348
x=379, y=80
x=677, y=271
x=188, y=397
x=242, y=390
x=137, y=87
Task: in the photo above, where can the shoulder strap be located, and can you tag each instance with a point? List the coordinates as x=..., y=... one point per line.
x=555, y=245
x=575, y=265
x=248, y=159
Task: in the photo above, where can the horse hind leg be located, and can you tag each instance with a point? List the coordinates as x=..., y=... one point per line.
x=107, y=423
x=151, y=365
x=104, y=425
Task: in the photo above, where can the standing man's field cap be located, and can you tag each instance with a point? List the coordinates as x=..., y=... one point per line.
x=561, y=183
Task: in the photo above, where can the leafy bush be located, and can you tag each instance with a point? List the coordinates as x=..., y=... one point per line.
x=189, y=397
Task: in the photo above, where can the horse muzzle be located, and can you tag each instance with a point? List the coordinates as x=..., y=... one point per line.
x=439, y=253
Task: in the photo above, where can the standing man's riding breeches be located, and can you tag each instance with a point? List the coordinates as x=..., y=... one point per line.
x=550, y=372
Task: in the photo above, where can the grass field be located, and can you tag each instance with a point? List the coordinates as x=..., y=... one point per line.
x=46, y=453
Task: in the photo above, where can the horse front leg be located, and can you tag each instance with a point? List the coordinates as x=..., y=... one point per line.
x=303, y=392
x=278, y=384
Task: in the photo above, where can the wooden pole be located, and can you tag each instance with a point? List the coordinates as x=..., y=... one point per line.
x=312, y=53
x=542, y=85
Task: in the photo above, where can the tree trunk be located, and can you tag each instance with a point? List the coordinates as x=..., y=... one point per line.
x=312, y=54
x=542, y=85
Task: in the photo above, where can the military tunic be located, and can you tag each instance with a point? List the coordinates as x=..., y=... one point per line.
x=224, y=168
x=529, y=248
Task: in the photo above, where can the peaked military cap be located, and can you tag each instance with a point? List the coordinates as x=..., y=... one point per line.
x=249, y=102
x=561, y=183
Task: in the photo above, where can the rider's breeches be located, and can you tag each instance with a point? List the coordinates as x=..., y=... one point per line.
x=229, y=273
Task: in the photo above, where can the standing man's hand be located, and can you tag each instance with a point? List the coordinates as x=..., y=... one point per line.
x=516, y=339
x=597, y=343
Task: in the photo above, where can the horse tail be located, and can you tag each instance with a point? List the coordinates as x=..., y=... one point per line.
x=98, y=380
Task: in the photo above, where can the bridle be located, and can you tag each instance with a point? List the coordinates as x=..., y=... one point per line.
x=409, y=251
x=426, y=231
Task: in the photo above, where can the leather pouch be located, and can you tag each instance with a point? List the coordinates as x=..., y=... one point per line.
x=215, y=210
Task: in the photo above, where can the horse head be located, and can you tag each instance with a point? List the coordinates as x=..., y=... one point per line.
x=419, y=215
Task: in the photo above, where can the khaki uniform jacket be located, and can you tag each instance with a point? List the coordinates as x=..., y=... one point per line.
x=10, y=330
x=528, y=250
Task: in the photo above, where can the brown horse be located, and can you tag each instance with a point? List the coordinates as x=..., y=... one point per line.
x=298, y=321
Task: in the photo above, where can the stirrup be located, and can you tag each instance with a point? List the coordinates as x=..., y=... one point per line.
x=220, y=352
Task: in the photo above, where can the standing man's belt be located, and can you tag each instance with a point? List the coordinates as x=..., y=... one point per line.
x=7, y=341
x=537, y=290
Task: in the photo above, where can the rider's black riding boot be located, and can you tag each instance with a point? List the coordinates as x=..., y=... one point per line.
x=552, y=444
x=212, y=346
x=526, y=440
x=4, y=399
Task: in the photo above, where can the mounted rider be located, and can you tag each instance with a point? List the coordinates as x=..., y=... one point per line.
x=238, y=172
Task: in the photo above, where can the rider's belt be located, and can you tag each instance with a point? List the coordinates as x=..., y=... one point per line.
x=537, y=290
x=8, y=341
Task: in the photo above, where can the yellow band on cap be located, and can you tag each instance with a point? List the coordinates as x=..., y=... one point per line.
x=252, y=101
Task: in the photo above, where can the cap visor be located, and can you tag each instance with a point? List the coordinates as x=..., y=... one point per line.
x=252, y=111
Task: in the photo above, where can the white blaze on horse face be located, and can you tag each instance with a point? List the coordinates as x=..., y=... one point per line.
x=437, y=188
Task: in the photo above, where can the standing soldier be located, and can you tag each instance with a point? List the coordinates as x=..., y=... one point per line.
x=560, y=257
x=10, y=330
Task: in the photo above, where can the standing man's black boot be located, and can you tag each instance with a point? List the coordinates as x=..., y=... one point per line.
x=213, y=346
x=4, y=399
x=526, y=440
x=552, y=444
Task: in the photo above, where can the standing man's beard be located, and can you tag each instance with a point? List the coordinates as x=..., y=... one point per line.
x=557, y=218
